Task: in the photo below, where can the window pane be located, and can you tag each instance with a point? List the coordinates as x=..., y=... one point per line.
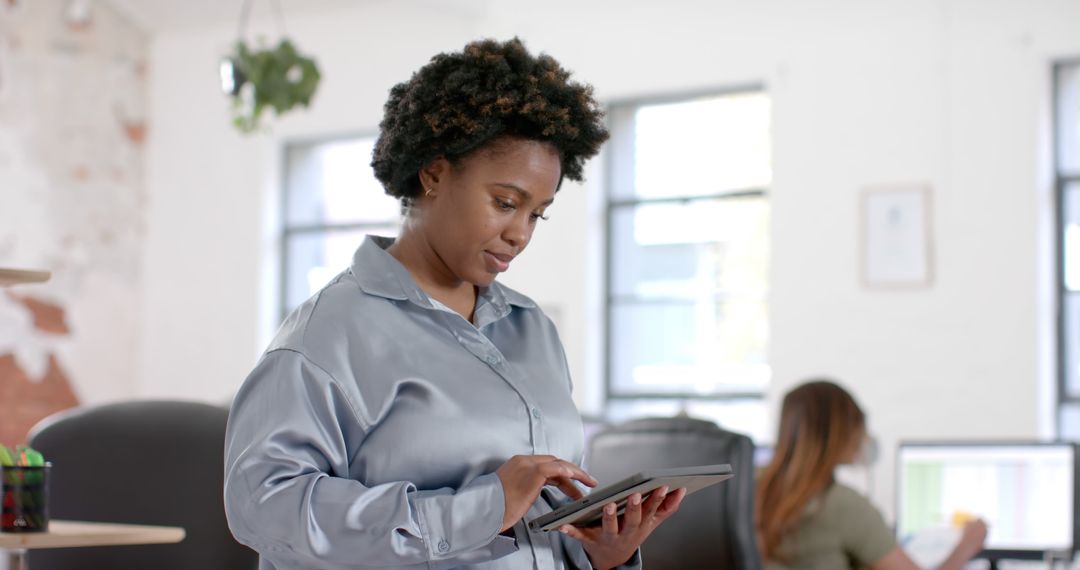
x=696, y=147
x=702, y=248
x=1070, y=422
x=699, y=347
x=1069, y=119
x=748, y=416
x=1070, y=206
x=1072, y=344
x=332, y=183
x=314, y=258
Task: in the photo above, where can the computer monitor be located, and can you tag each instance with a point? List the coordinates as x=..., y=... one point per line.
x=1026, y=492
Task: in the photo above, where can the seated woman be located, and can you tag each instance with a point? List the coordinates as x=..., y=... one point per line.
x=805, y=519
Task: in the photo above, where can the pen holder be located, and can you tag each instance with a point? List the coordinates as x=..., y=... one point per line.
x=25, y=499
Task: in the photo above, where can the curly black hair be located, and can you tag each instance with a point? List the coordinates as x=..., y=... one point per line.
x=460, y=102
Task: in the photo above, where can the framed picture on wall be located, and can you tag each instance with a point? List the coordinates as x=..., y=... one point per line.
x=895, y=236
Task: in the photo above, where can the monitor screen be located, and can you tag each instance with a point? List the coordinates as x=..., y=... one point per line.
x=1023, y=491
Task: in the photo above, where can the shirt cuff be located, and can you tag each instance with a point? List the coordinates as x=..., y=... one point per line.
x=462, y=527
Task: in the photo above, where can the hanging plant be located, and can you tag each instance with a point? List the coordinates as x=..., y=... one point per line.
x=279, y=78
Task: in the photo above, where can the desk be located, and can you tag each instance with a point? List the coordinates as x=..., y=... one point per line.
x=66, y=534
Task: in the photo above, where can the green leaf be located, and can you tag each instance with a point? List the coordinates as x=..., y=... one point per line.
x=280, y=78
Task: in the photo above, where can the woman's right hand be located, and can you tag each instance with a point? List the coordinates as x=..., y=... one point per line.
x=973, y=538
x=523, y=476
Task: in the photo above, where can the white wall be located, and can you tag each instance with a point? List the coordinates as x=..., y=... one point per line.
x=954, y=93
x=210, y=272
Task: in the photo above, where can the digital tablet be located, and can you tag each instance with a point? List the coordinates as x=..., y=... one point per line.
x=589, y=510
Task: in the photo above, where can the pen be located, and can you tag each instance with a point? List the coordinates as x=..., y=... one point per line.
x=29, y=456
x=6, y=459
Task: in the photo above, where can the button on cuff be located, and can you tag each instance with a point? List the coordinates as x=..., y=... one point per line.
x=462, y=536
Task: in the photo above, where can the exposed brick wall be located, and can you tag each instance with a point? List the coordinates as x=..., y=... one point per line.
x=72, y=201
x=24, y=402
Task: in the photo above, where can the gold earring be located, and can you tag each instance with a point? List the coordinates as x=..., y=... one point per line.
x=427, y=192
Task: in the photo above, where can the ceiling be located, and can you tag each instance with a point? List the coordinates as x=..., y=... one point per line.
x=157, y=16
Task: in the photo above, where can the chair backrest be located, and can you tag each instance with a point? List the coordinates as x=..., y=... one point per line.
x=714, y=527
x=141, y=462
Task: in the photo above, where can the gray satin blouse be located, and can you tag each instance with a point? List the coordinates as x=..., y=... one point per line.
x=369, y=433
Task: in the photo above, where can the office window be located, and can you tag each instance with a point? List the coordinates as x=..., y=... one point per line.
x=1067, y=178
x=688, y=244
x=332, y=200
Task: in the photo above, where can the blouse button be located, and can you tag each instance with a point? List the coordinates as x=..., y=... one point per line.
x=536, y=413
x=444, y=546
x=492, y=359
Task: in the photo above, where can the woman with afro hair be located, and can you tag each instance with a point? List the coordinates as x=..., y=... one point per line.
x=414, y=413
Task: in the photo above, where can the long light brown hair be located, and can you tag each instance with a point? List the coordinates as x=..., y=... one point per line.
x=820, y=427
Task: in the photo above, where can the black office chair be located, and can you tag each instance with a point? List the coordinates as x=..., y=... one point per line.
x=142, y=462
x=714, y=527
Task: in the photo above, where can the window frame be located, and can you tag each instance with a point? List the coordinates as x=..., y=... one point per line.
x=287, y=231
x=1062, y=180
x=613, y=204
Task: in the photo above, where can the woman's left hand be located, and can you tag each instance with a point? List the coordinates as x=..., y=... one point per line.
x=614, y=542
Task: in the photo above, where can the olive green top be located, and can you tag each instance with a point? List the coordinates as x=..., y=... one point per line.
x=840, y=530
